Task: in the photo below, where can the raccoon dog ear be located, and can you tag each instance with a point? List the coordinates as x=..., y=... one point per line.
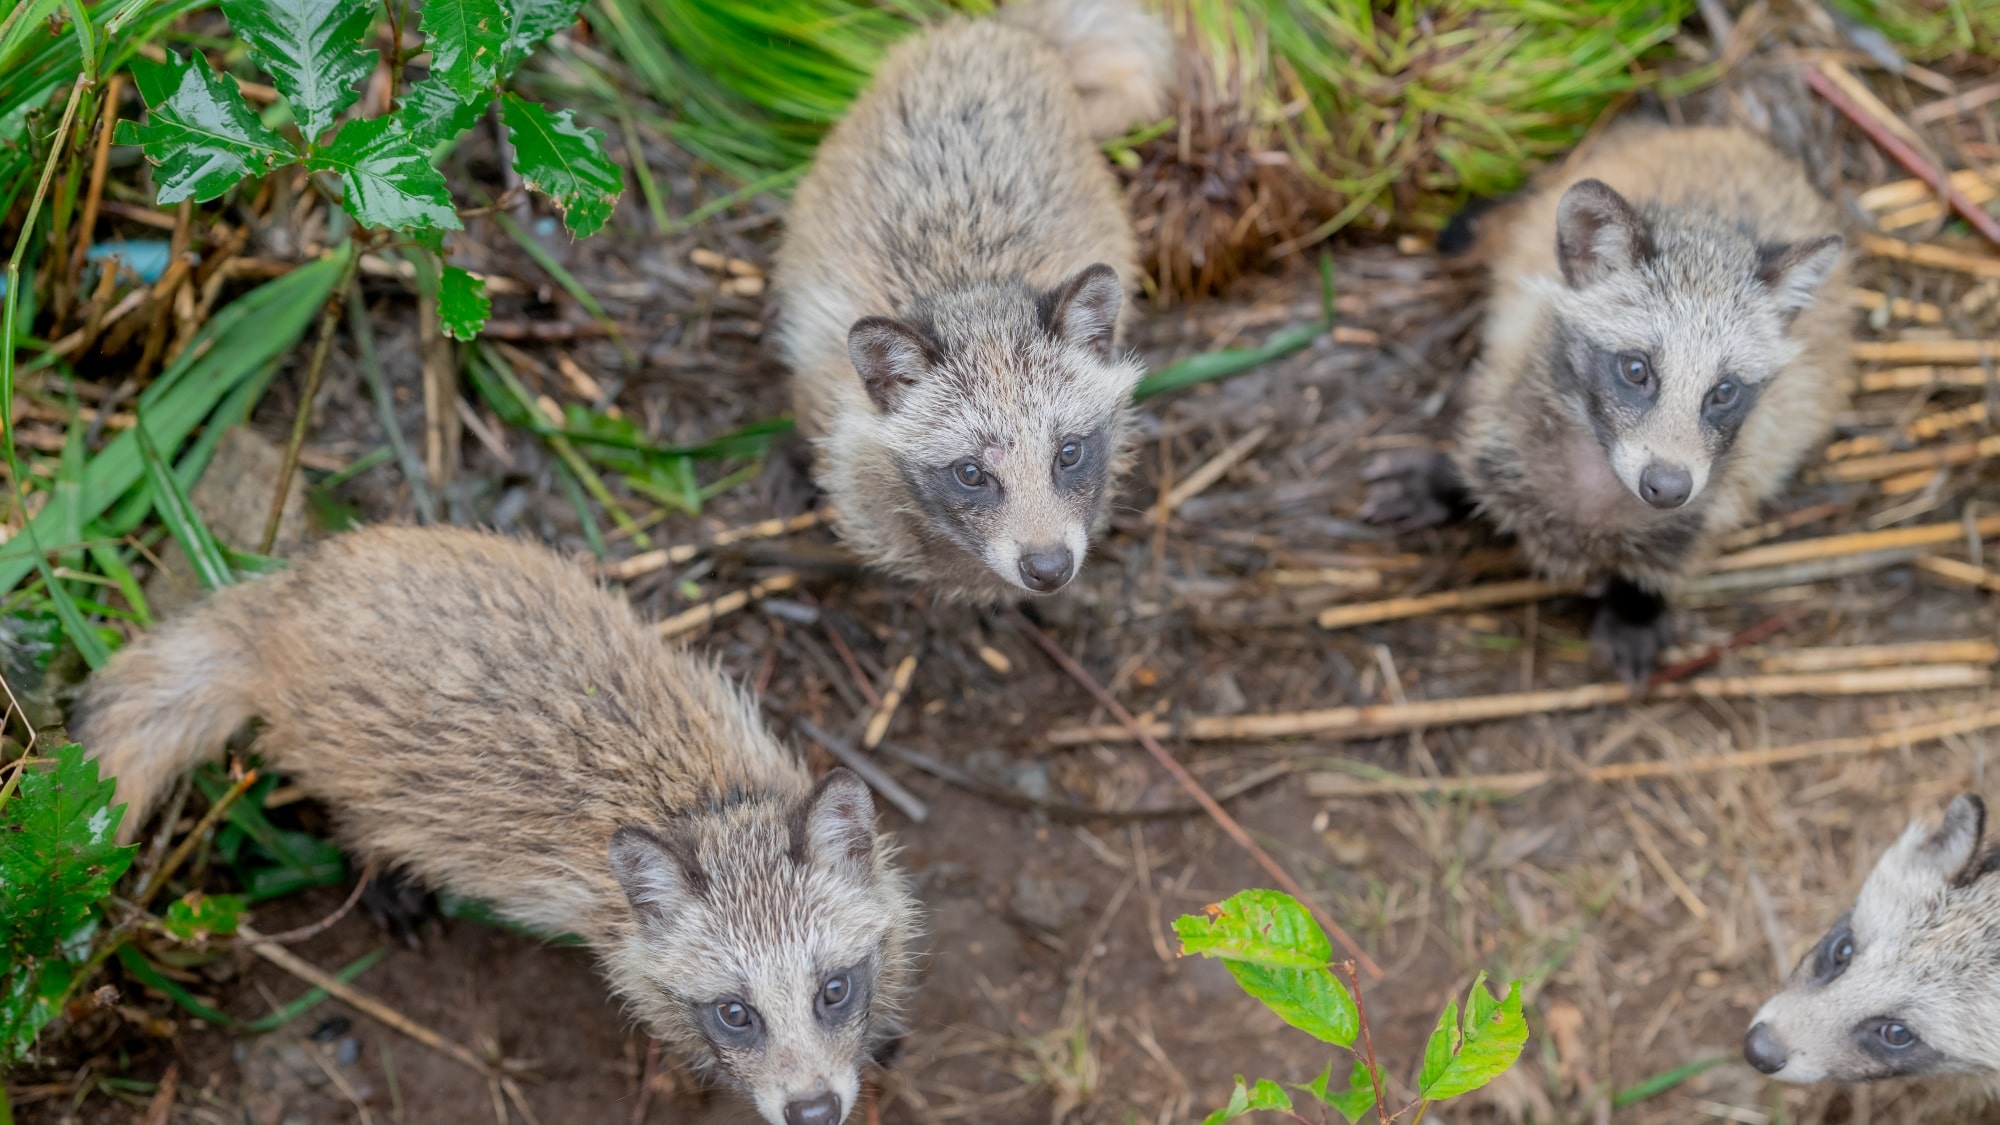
x=890, y=357
x=1950, y=850
x=660, y=875
x=1597, y=234
x=1794, y=271
x=835, y=824
x=1085, y=310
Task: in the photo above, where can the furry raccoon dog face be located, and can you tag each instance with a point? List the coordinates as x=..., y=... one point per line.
x=1667, y=326
x=1905, y=982
x=776, y=942
x=1003, y=411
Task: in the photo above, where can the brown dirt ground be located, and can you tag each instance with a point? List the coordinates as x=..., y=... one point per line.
x=1648, y=918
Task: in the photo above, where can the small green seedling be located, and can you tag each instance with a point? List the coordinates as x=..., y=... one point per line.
x=1270, y=943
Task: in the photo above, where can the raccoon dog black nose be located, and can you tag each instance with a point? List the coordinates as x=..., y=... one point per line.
x=1665, y=486
x=822, y=1110
x=1762, y=1050
x=1046, y=570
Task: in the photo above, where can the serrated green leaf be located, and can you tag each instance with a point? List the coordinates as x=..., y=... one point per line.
x=466, y=40
x=193, y=918
x=564, y=161
x=534, y=21
x=1358, y=1098
x=386, y=178
x=1459, y=1061
x=462, y=304
x=57, y=860
x=1265, y=1095
x=1268, y=928
x=309, y=48
x=199, y=132
x=1312, y=1000
x=432, y=114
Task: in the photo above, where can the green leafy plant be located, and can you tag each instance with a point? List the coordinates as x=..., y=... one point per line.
x=203, y=138
x=1270, y=943
x=57, y=862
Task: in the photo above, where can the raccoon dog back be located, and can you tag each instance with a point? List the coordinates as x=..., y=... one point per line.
x=478, y=712
x=949, y=294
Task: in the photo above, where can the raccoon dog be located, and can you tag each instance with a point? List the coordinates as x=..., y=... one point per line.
x=950, y=289
x=1908, y=981
x=1666, y=340
x=479, y=713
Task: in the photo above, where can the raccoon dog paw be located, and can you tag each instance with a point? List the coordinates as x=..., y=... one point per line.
x=399, y=905
x=1410, y=489
x=1632, y=629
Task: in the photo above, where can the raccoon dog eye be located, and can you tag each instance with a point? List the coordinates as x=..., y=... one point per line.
x=1723, y=394
x=1633, y=368
x=1070, y=453
x=834, y=992
x=1895, y=1036
x=969, y=474
x=734, y=1014
x=1843, y=952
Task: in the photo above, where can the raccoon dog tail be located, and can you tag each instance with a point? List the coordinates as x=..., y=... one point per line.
x=1120, y=55
x=170, y=700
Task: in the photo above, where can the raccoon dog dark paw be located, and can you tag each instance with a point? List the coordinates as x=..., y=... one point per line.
x=1409, y=489
x=399, y=905
x=1632, y=629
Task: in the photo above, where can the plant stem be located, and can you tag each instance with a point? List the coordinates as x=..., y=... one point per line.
x=396, y=13
x=1367, y=1037
x=329, y=320
x=208, y=820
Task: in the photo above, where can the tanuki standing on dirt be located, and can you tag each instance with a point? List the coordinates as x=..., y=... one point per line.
x=480, y=713
x=1906, y=982
x=1668, y=338
x=949, y=295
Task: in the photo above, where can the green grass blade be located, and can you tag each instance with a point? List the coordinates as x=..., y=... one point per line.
x=183, y=522
x=236, y=343
x=1221, y=364
x=143, y=971
x=1661, y=1083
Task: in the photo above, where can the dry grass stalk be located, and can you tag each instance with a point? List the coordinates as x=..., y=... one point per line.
x=1928, y=426
x=1198, y=481
x=1928, y=351
x=1904, y=654
x=1893, y=464
x=1924, y=376
x=1470, y=597
x=688, y=620
x=647, y=562
x=1900, y=194
x=1856, y=543
x=1345, y=578
x=1902, y=308
x=161, y=1108
x=1340, y=785
x=1379, y=719
x=1853, y=98
x=1924, y=254
x=360, y=1001
x=899, y=685
x=1960, y=573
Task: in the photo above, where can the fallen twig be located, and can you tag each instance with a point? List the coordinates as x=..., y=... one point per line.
x=1897, y=655
x=648, y=561
x=1210, y=472
x=1924, y=376
x=1924, y=254
x=1194, y=789
x=315, y=368
x=877, y=778
x=1892, y=464
x=688, y=620
x=1834, y=83
x=1332, y=785
x=180, y=853
x=1928, y=351
x=1960, y=573
x=1469, y=597
x=314, y=929
x=161, y=1108
x=899, y=683
x=1375, y=720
